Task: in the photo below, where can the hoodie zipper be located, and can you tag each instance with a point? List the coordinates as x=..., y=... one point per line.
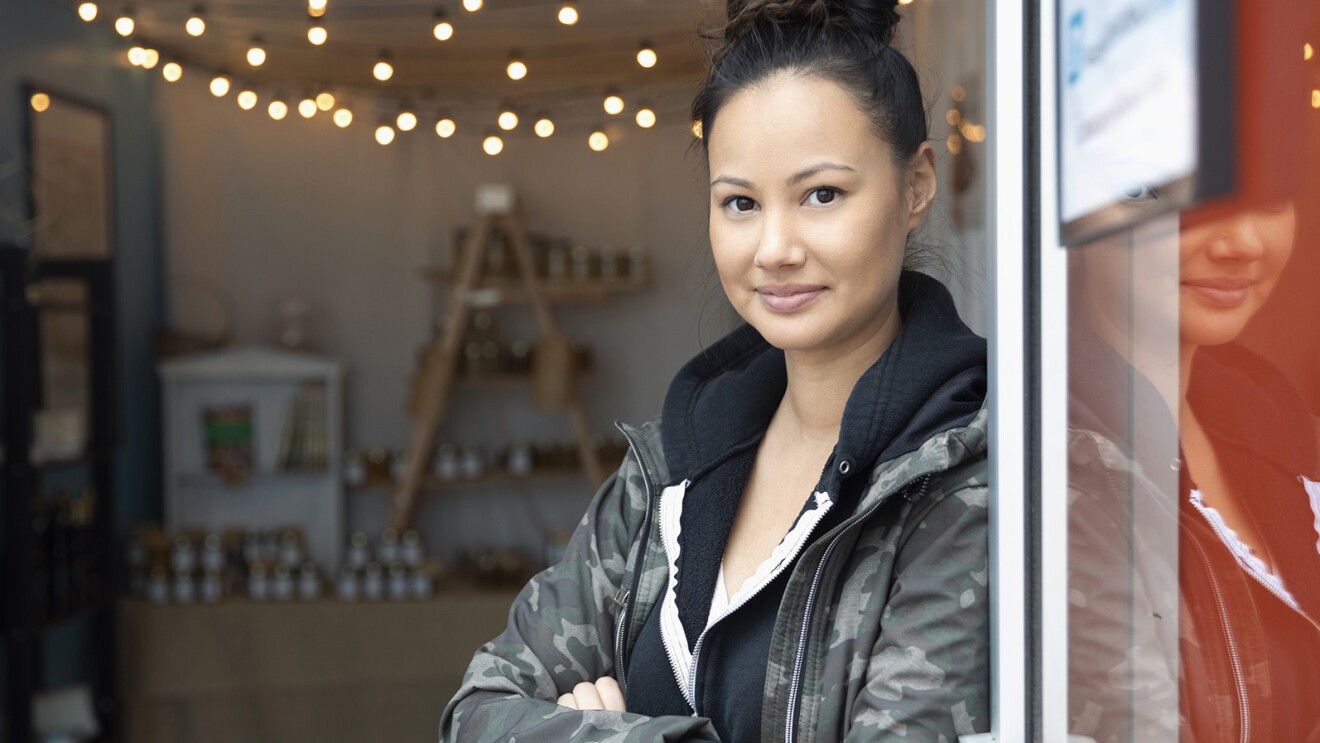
x=795, y=684
x=643, y=535
x=1239, y=678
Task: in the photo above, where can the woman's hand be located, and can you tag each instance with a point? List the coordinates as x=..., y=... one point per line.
x=604, y=694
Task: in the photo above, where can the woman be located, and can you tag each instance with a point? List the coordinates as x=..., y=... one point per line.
x=817, y=470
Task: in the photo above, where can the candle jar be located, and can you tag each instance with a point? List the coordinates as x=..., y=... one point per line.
x=213, y=586
x=609, y=263
x=520, y=458
x=580, y=263
x=422, y=585
x=359, y=550
x=398, y=582
x=291, y=551
x=556, y=261
x=183, y=557
x=639, y=268
x=411, y=551
x=281, y=584
x=388, y=551
x=355, y=468
x=158, y=586
x=348, y=585
x=309, y=582
x=446, y=462
x=213, y=553
x=399, y=465
x=373, y=582
x=473, y=463
x=251, y=546
x=258, y=582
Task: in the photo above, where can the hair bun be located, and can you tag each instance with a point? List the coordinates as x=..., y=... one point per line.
x=875, y=18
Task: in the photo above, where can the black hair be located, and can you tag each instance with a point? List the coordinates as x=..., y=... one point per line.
x=845, y=41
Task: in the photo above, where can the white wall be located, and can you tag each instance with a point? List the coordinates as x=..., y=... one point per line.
x=259, y=211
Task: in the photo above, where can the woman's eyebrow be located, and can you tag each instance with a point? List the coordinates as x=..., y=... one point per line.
x=740, y=183
x=814, y=169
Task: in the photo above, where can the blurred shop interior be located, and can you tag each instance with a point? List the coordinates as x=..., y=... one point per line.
x=254, y=254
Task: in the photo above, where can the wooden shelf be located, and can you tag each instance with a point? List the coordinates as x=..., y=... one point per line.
x=432, y=483
x=192, y=479
x=496, y=292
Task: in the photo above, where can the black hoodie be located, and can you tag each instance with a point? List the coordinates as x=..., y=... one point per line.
x=931, y=378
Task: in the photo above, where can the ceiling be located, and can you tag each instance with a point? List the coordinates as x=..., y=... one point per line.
x=565, y=63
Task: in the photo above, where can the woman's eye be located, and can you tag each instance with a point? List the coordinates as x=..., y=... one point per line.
x=822, y=196
x=740, y=204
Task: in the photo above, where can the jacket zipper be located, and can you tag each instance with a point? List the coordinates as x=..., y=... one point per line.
x=795, y=684
x=619, y=660
x=1238, y=677
x=696, y=650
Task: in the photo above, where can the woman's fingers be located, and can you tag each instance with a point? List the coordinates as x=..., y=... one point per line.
x=567, y=701
x=587, y=697
x=610, y=694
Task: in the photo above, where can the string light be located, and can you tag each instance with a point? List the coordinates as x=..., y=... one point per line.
x=406, y=120
x=256, y=54
x=445, y=127
x=954, y=144
x=316, y=33
x=150, y=58
x=697, y=129
x=1308, y=51
x=325, y=100
x=40, y=102
x=220, y=86
x=544, y=127
x=492, y=145
x=307, y=108
x=277, y=109
x=645, y=117
x=384, y=134
x=196, y=24
x=443, y=30
x=568, y=14
x=136, y=55
x=958, y=93
x=1315, y=99
x=172, y=71
x=598, y=142
x=343, y=117
x=472, y=6
x=316, y=8
x=383, y=70
x=124, y=24
x=646, y=56
x=905, y=2
x=517, y=68
x=613, y=104
x=508, y=119
x=247, y=100
x=88, y=11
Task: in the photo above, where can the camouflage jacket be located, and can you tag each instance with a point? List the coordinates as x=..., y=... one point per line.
x=882, y=634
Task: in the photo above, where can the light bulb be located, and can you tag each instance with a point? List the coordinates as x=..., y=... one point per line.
x=256, y=55
x=150, y=58
x=383, y=70
x=905, y=2
x=247, y=100
x=517, y=69
x=325, y=100
x=196, y=24
x=40, y=102
x=697, y=129
x=172, y=71
x=544, y=127
x=307, y=108
x=407, y=121
x=508, y=120
x=316, y=8
x=219, y=86
x=316, y=33
x=384, y=134
x=278, y=109
x=645, y=118
x=568, y=14
x=613, y=105
x=1315, y=99
x=472, y=6
x=343, y=117
x=88, y=11
x=124, y=25
x=136, y=55
x=445, y=128
x=1308, y=51
x=444, y=31
x=493, y=145
x=646, y=56
x=598, y=141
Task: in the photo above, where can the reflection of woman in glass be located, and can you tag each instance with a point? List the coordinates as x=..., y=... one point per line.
x=1233, y=608
x=797, y=549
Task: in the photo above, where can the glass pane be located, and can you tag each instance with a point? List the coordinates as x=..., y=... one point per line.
x=1194, y=391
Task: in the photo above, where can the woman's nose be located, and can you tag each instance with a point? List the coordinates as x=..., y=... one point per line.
x=1240, y=240
x=778, y=246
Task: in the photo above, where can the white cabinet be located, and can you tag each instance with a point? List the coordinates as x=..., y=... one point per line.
x=252, y=440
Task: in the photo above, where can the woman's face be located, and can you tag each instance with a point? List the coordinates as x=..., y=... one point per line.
x=809, y=215
x=1228, y=268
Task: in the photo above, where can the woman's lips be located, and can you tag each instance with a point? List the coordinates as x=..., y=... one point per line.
x=789, y=298
x=1220, y=292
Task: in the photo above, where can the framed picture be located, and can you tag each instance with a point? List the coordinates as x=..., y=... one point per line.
x=69, y=155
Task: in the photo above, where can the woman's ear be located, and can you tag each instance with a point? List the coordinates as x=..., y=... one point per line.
x=921, y=185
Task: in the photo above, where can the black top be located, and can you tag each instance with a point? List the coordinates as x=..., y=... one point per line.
x=932, y=378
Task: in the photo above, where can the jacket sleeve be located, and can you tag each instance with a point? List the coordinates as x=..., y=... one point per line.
x=928, y=678
x=561, y=633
